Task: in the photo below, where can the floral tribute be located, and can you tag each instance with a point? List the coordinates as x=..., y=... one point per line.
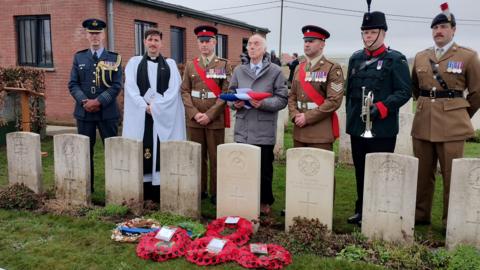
x=199, y=253
x=236, y=229
x=152, y=248
x=272, y=257
x=131, y=230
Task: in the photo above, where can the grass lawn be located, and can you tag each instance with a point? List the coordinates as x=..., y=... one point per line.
x=33, y=241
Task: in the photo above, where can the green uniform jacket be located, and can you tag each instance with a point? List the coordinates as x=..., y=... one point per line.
x=389, y=79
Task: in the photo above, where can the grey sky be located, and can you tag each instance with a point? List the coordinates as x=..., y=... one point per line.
x=407, y=37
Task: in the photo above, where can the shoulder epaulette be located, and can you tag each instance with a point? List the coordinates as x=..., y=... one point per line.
x=82, y=51
x=466, y=49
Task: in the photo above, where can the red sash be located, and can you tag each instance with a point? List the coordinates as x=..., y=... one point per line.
x=317, y=98
x=212, y=85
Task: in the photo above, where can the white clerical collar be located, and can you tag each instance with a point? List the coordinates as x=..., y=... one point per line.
x=446, y=47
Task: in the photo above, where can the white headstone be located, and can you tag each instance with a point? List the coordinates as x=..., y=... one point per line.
x=180, y=178
x=72, y=168
x=229, y=132
x=279, y=148
x=238, y=180
x=123, y=171
x=286, y=117
x=407, y=107
x=476, y=121
x=404, y=144
x=24, y=160
x=310, y=185
x=389, y=197
x=344, y=147
x=463, y=224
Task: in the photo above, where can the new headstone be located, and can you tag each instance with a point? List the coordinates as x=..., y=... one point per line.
x=344, y=147
x=404, y=144
x=180, y=178
x=463, y=224
x=123, y=171
x=407, y=107
x=24, y=160
x=238, y=180
x=310, y=185
x=279, y=149
x=229, y=131
x=389, y=197
x=476, y=121
x=72, y=168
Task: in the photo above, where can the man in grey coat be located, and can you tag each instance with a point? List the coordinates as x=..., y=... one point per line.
x=257, y=125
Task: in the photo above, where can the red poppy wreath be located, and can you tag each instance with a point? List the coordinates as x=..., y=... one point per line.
x=236, y=229
x=274, y=257
x=150, y=247
x=200, y=254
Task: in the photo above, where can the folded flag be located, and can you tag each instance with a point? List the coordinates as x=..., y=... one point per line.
x=245, y=94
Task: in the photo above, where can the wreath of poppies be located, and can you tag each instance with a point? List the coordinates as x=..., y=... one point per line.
x=200, y=255
x=131, y=230
x=277, y=257
x=242, y=230
x=157, y=250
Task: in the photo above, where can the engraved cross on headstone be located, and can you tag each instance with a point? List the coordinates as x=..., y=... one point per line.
x=123, y=171
x=236, y=196
x=308, y=203
x=70, y=189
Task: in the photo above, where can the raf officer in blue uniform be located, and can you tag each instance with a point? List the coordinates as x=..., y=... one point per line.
x=95, y=82
x=382, y=74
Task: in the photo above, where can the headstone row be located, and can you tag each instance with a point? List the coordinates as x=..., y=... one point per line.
x=389, y=192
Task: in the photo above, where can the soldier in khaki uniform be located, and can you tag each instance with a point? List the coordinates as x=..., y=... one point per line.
x=316, y=93
x=204, y=79
x=440, y=76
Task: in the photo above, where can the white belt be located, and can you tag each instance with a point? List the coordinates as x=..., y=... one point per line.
x=203, y=94
x=306, y=105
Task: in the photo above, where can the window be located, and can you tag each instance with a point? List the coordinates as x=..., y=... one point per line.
x=34, y=41
x=221, y=47
x=177, y=44
x=140, y=28
x=244, y=45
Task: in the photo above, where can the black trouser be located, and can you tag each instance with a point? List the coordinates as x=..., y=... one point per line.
x=266, y=173
x=150, y=192
x=107, y=128
x=360, y=148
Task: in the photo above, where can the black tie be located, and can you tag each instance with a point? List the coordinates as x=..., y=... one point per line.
x=95, y=56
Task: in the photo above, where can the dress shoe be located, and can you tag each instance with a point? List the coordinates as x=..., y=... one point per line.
x=422, y=222
x=355, y=219
x=213, y=199
x=204, y=195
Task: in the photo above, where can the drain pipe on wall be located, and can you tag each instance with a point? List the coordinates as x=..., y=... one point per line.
x=111, y=30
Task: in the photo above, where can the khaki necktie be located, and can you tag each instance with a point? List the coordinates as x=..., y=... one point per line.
x=438, y=53
x=308, y=66
x=206, y=62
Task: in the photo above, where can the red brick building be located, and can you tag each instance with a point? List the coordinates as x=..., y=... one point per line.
x=46, y=34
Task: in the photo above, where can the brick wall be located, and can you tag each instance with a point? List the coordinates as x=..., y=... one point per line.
x=68, y=37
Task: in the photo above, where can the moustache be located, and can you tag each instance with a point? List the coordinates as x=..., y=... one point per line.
x=439, y=35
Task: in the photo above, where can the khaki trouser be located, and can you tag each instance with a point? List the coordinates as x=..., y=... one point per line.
x=428, y=153
x=209, y=139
